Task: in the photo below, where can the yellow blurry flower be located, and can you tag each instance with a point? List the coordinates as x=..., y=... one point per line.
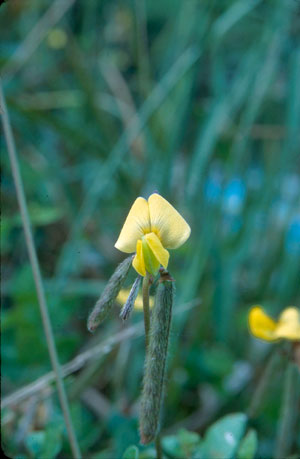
x=287, y=326
x=123, y=295
x=57, y=38
x=150, y=228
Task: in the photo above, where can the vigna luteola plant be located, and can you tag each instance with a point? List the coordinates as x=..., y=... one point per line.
x=151, y=228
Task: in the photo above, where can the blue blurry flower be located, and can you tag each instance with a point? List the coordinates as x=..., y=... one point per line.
x=234, y=196
x=212, y=187
x=292, y=237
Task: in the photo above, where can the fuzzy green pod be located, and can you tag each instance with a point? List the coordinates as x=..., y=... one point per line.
x=109, y=294
x=129, y=305
x=155, y=362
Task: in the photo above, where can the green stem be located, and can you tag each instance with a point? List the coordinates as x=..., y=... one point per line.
x=158, y=447
x=37, y=275
x=145, y=292
x=288, y=413
x=263, y=385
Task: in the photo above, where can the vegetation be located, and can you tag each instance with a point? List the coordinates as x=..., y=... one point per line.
x=200, y=101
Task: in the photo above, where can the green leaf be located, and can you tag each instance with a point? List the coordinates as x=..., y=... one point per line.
x=248, y=445
x=35, y=442
x=171, y=445
x=132, y=452
x=53, y=441
x=183, y=444
x=222, y=438
x=188, y=438
x=149, y=453
x=189, y=441
x=40, y=215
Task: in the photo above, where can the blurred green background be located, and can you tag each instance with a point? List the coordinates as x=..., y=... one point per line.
x=200, y=101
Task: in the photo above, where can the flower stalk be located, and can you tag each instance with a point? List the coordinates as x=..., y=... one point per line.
x=145, y=294
x=291, y=396
x=263, y=385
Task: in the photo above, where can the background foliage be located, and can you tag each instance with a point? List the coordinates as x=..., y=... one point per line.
x=110, y=100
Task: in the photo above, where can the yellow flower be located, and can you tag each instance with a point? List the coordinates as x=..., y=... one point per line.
x=57, y=38
x=287, y=326
x=150, y=228
x=138, y=304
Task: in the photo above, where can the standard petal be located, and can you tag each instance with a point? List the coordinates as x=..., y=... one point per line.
x=138, y=262
x=136, y=225
x=261, y=325
x=289, y=324
x=156, y=246
x=167, y=223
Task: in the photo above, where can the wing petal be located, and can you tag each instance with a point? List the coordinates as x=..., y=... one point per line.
x=138, y=262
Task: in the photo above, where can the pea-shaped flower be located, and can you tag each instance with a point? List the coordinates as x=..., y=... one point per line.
x=151, y=228
x=264, y=327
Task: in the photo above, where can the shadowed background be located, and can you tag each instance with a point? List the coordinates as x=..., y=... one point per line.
x=108, y=101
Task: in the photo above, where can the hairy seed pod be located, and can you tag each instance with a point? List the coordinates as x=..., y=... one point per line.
x=155, y=362
x=129, y=305
x=109, y=294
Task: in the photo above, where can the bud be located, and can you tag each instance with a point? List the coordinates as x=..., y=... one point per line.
x=156, y=361
x=129, y=305
x=109, y=294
